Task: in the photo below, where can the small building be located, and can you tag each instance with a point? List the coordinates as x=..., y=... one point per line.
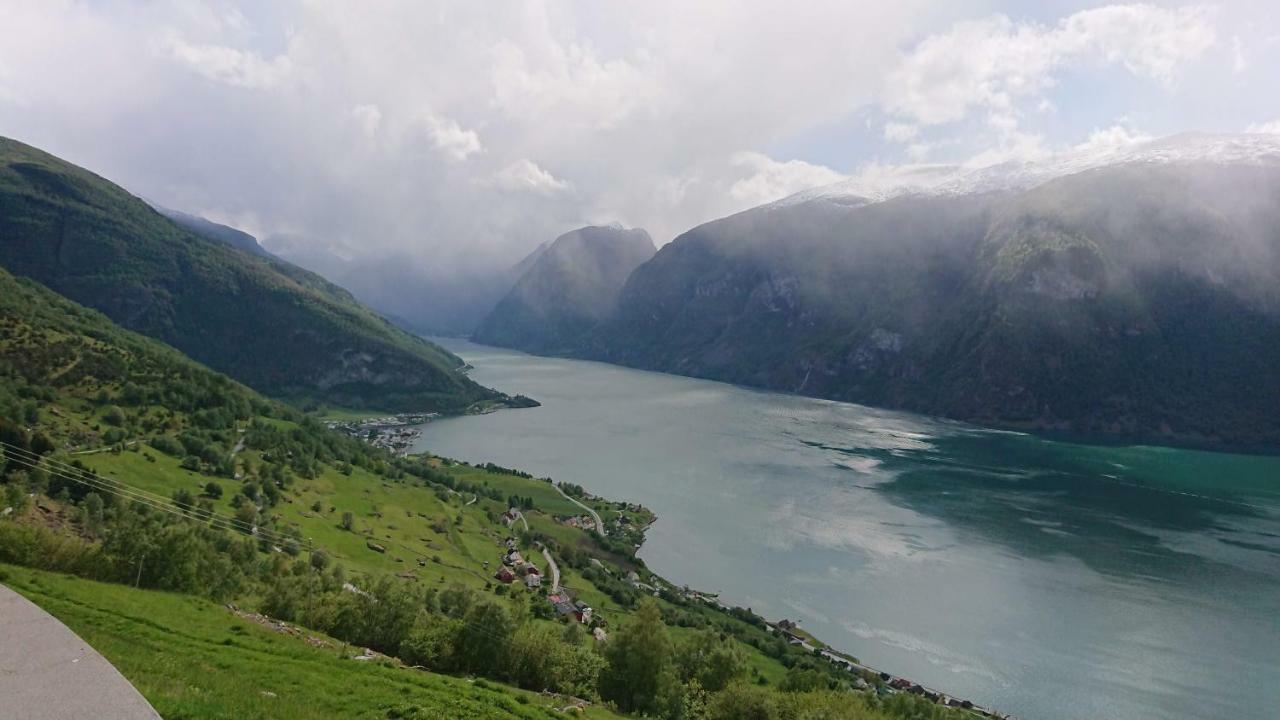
x=513, y=558
x=533, y=580
x=582, y=612
x=505, y=575
x=563, y=607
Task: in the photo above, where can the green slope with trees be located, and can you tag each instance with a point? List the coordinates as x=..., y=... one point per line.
x=273, y=326
x=123, y=462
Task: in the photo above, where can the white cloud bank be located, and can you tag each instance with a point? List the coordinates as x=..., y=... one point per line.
x=467, y=133
x=1000, y=69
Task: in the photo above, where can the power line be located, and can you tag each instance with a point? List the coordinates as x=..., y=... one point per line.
x=117, y=488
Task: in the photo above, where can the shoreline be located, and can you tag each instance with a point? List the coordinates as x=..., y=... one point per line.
x=867, y=678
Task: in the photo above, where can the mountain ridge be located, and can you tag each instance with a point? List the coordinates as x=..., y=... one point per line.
x=1139, y=300
x=271, y=325
x=567, y=286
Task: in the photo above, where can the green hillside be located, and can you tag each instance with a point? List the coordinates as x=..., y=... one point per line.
x=123, y=462
x=273, y=326
x=192, y=658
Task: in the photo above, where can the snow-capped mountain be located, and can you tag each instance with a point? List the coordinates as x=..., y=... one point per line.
x=874, y=186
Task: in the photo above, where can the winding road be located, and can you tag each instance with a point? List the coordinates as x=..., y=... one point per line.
x=48, y=673
x=555, y=571
x=594, y=515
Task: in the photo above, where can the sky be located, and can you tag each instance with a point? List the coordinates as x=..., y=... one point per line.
x=462, y=134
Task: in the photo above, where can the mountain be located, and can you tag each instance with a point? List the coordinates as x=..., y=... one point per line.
x=271, y=325
x=566, y=289
x=1132, y=294
x=211, y=230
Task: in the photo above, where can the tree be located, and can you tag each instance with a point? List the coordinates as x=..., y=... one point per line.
x=183, y=499
x=430, y=642
x=532, y=656
x=713, y=660
x=348, y=521
x=803, y=679
x=15, y=496
x=247, y=517
x=638, y=674
x=482, y=641
x=743, y=702
x=213, y=490
x=319, y=559
x=93, y=505
x=456, y=600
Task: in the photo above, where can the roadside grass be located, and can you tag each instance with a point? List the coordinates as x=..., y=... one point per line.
x=192, y=658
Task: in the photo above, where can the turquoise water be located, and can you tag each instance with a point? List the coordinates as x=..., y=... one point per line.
x=1043, y=578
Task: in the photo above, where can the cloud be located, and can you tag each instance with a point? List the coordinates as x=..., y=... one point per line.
x=1239, y=61
x=1268, y=128
x=448, y=136
x=368, y=117
x=900, y=132
x=995, y=64
x=461, y=135
x=1112, y=138
x=525, y=175
x=228, y=65
x=769, y=179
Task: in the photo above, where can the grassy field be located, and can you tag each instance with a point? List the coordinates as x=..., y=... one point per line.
x=192, y=658
x=453, y=534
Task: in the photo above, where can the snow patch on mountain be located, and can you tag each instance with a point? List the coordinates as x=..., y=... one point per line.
x=882, y=183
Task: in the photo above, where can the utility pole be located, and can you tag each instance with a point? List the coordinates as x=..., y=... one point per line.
x=311, y=554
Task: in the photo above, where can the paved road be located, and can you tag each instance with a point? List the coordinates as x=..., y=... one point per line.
x=555, y=571
x=48, y=673
x=594, y=515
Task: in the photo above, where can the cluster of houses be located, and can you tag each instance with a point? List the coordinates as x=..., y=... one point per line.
x=394, y=432
x=515, y=567
x=890, y=684
x=583, y=522
x=565, y=605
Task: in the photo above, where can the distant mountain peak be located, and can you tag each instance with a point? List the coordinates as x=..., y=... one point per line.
x=566, y=287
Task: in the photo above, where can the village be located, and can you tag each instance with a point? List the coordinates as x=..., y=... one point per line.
x=395, y=433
